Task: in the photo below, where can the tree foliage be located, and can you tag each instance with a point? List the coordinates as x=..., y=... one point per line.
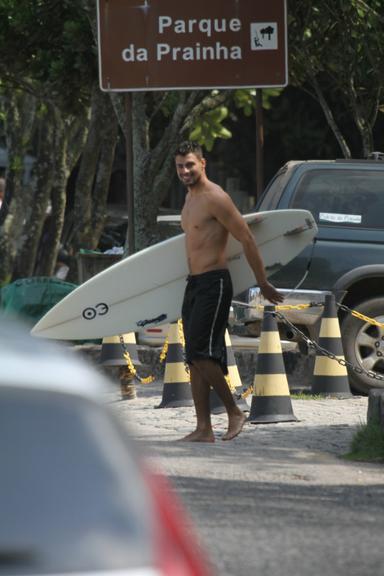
x=337, y=54
x=49, y=66
x=53, y=109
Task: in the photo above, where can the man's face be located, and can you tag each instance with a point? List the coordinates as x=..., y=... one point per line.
x=189, y=168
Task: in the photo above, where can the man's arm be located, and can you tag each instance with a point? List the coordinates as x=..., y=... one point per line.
x=224, y=210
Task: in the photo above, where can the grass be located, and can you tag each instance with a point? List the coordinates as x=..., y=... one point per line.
x=306, y=396
x=367, y=444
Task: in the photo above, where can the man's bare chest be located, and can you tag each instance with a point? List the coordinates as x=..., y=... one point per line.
x=195, y=215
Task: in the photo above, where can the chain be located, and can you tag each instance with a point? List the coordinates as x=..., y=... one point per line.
x=361, y=316
x=355, y=313
x=311, y=344
x=280, y=306
x=181, y=332
x=131, y=366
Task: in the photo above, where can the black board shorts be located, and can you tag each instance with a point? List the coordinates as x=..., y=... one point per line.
x=205, y=311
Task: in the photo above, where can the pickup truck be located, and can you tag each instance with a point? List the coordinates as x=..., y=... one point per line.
x=346, y=198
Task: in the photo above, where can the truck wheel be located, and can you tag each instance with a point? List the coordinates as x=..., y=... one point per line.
x=364, y=345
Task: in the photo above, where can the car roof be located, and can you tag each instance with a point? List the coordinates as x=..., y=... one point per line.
x=28, y=362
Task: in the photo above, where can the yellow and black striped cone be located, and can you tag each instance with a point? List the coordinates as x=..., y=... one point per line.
x=177, y=388
x=114, y=347
x=234, y=382
x=216, y=406
x=329, y=377
x=233, y=371
x=234, y=379
x=271, y=401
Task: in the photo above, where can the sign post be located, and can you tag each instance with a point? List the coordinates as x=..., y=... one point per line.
x=158, y=45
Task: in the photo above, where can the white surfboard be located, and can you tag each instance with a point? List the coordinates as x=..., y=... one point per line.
x=146, y=289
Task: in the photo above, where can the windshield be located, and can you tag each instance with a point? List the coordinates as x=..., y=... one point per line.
x=342, y=197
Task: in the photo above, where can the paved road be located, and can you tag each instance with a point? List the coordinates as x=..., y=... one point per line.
x=278, y=500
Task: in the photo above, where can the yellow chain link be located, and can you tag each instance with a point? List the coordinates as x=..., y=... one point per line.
x=232, y=387
x=367, y=319
x=164, y=352
x=181, y=332
x=133, y=370
x=247, y=392
x=284, y=306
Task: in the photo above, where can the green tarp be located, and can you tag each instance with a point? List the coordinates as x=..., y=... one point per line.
x=31, y=298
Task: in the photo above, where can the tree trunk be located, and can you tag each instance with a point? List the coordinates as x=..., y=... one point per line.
x=331, y=119
x=19, y=116
x=50, y=241
x=69, y=142
x=39, y=216
x=103, y=175
x=154, y=166
x=361, y=120
x=103, y=126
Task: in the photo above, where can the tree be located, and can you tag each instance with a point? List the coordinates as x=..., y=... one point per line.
x=53, y=108
x=49, y=68
x=337, y=54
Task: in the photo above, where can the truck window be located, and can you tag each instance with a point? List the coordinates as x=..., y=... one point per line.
x=339, y=197
x=272, y=194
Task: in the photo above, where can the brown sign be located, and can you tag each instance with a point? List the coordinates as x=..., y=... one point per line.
x=168, y=44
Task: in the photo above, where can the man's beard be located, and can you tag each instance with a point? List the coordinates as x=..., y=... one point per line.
x=190, y=181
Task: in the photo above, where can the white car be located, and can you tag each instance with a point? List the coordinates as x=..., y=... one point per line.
x=156, y=335
x=75, y=495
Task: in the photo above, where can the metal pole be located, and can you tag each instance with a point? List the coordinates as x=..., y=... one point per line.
x=129, y=173
x=259, y=143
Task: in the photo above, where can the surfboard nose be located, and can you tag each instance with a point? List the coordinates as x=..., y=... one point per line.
x=42, y=329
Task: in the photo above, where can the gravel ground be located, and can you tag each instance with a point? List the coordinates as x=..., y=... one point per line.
x=278, y=500
x=308, y=449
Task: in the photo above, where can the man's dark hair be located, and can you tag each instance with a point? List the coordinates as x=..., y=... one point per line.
x=189, y=147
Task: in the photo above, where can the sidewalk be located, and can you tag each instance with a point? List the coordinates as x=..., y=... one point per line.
x=277, y=500
x=324, y=430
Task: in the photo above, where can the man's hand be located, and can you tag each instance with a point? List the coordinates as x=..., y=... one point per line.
x=270, y=293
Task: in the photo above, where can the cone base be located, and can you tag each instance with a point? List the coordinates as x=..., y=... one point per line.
x=269, y=409
x=331, y=386
x=215, y=404
x=333, y=394
x=176, y=395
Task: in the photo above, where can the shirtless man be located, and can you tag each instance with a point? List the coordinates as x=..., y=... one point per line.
x=207, y=218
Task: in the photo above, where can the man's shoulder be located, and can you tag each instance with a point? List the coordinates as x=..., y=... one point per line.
x=215, y=192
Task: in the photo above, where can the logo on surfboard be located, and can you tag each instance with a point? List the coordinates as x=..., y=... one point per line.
x=156, y=320
x=100, y=309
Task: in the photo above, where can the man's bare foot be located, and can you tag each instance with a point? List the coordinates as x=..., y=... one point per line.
x=235, y=426
x=199, y=436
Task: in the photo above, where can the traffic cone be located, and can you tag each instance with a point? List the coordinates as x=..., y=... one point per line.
x=233, y=380
x=114, y=347
x=177, y=388
x=216, y=406
x=112, y=353
x=271, y=401
x=329, y=377
x=233, y=375
x=233, y=372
